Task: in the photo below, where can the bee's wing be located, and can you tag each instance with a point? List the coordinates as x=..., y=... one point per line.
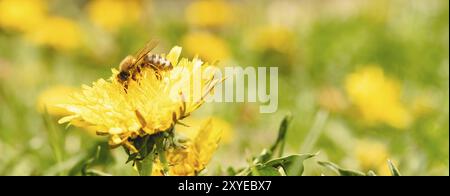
x=145, y=50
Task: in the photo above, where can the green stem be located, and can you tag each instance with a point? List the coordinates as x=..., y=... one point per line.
x=315, y=132
x=56, y=139
x=162, y=155
x=145, y=167
x=162, y=158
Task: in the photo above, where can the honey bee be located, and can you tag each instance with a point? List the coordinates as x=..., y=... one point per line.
x=133, y=65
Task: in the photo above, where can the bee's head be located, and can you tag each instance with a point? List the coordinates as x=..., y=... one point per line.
x=123, y=76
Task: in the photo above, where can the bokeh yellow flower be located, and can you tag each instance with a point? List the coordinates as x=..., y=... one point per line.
x=111, y=15
x=206, y=45
x=373, y=155
x=22, y=15
x=377, y=97
x=272, y=37
x=209, y=13
x=332, y=99
x=57, y=32
x=423, y=104
x=148, y=106
x=53, y=96
x=202, y=142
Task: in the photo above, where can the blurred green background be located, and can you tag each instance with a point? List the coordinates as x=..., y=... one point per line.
x=365, y=81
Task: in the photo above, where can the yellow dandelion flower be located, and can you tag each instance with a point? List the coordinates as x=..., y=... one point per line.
x=49, y=100
x=22, y=15
x=150, y=104
x=111, y=15
x=206, y=45
x=377, y=97
x=57, y=32
x=225, y=127
x=210, y=13
x=373, y=155
x=271, y=37
x=193, y=158
x=53, y=96
x=218, y=123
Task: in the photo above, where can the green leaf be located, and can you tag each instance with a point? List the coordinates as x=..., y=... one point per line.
x=131, y=157
x=231, y=171
x=98, y=157
x=263, y=164
x=145, y=146
x=279, y=143
x=268, y=171
x=393, y=169
x=145, y=166
x=339, y=170
x=263, y=157
x=162, y=154
x=99, y=154
x=267, y=154
x=292, y=165
x=371, y=173
x=93, y=172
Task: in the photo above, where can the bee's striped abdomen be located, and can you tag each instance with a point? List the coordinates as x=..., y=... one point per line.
x=159, y=62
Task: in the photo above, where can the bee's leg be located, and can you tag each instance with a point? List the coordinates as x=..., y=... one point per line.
x=138, y=72
x=158, y=76
x=153, y=66
x=138, y=68
x=125, y=86
x=156, y=70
